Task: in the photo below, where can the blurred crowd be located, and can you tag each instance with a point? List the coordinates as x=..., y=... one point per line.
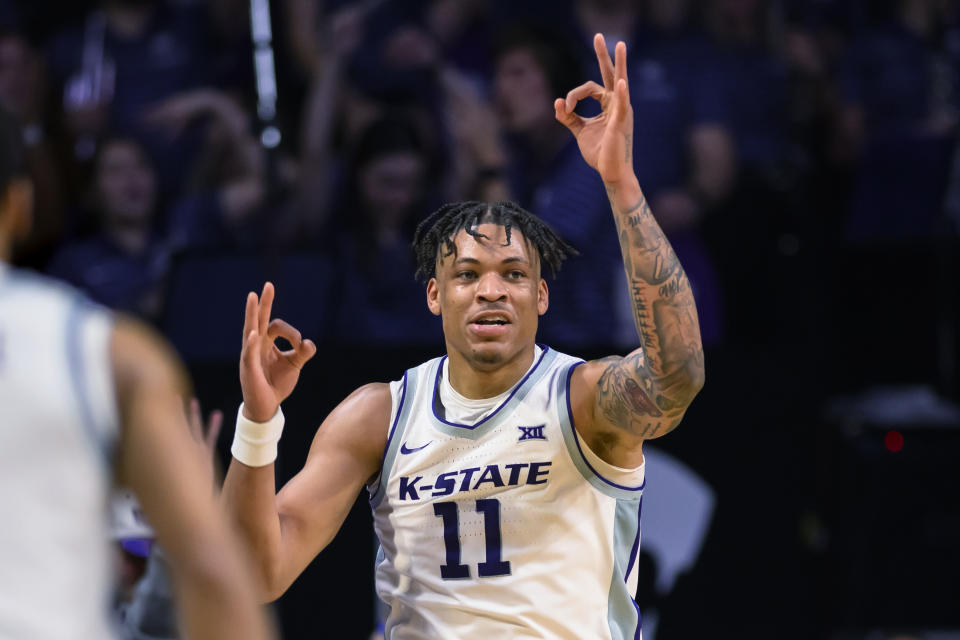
x=787, y=147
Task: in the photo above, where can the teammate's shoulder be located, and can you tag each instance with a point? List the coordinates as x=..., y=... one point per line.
x=17, y=281
x=140, y=355
x=39, y=296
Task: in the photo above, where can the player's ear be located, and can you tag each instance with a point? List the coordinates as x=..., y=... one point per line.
x=543, y=297
x=433, y=296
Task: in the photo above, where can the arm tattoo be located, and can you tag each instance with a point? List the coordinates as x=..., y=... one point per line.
x=647, y=392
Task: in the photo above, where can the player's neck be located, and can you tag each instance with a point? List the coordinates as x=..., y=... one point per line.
x=474, y=381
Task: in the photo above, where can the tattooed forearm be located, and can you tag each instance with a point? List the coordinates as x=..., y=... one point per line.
x=647, y=392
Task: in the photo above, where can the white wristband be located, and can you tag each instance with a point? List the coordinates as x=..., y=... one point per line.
x=255, y=443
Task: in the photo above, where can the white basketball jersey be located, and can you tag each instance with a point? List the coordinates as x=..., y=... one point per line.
x=57, y=428
x=508, y=527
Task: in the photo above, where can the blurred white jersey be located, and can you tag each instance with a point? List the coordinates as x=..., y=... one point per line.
x=496, y=521
x=57, y=429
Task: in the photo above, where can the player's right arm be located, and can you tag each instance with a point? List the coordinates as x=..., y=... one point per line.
x=285, y=531
x=167, y=470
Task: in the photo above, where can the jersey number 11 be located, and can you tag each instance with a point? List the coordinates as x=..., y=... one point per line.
x=494, y=565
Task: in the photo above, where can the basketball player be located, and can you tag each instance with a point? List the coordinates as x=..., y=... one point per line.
x=505, y=478
x=86, y=399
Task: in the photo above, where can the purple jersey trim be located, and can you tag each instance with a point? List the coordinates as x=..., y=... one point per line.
x=576, y=440
x=636, y=542
x=517, y=387
x=393, y=430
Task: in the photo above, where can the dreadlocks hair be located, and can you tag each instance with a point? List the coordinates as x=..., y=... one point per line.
x=434, y=236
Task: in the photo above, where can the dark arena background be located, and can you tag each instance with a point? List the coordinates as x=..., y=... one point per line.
x=801, y=155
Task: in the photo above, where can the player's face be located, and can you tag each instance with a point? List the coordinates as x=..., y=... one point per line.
x=490, y=296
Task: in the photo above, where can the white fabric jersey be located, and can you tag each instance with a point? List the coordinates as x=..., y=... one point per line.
x=506, y=526
x=57, y=428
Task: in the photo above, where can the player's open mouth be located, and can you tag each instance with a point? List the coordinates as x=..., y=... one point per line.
x=489, y=324
x=490, y=318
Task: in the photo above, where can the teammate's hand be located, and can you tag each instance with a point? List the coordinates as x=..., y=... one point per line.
x=206, y=438
x=605, y=141
x=268, y=375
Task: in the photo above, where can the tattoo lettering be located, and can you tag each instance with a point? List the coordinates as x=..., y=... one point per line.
x=673, y=287
x=637, y=214
x=626, y=151
x=640, y=316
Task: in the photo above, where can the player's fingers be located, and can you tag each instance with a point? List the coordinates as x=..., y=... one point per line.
x=569, y=119
x=587, y=89
x=266, y=305
x=250, y=316
x=620, y=69
x=621, y=101
x=250, y=355
x=214, y=424
x=302, y=353
x=195, y=420
x=603, y=57
x=281, y=329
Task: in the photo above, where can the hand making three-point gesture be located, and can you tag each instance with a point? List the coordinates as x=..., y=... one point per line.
x=267, y=374
x=604, y=140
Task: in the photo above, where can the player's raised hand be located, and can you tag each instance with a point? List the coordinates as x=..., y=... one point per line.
x=268, y=375
x=605, y=141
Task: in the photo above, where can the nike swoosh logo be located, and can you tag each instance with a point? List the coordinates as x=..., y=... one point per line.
x=404, y=450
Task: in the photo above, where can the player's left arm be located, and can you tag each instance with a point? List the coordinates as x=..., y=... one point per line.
x=619, y=402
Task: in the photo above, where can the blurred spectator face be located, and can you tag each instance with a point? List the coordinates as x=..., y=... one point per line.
x=668, y=14
x=609, y=5
x=18, y=76
x=523, y=96
x=738, y=9
x=126, y=183
x=391, y=184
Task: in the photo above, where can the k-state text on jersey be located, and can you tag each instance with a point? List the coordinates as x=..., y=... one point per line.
x=445, y=484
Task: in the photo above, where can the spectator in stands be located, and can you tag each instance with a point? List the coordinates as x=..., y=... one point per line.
x=898, y=118
x=387, y=190
x=128, y=56
x=124, y=263
x=766, y=208
x=22, y=94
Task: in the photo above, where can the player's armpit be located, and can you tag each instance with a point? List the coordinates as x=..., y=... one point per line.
x=346, y=452
x=165, y=467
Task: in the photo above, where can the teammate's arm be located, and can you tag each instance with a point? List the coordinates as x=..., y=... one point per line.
x=619, y=402
x=166, y=469
x=285, y=531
